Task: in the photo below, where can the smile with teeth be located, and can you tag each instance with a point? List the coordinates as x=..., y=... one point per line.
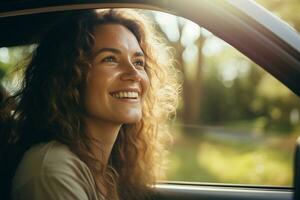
x=125, y=95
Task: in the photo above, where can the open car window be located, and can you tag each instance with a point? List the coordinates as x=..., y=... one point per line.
x=235, y=122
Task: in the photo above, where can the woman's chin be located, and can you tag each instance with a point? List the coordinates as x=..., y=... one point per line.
x=130, y=117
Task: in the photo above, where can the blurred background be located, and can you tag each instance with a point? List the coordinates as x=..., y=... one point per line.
x=235, y=123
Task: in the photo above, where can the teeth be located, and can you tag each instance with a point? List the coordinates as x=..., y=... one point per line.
x=120, y=95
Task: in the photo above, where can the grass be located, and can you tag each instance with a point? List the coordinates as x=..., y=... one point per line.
x=207, y=159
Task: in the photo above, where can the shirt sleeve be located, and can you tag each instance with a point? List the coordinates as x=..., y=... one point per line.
x=56, y=186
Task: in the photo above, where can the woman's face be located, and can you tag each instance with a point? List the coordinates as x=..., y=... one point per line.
x=117, y=82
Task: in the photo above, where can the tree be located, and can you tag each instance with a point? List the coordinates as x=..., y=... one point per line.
x=192, y=85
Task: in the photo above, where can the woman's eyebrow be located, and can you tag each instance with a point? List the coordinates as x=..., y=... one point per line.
x=114, y=50
x=138, y=54
x=117, y=51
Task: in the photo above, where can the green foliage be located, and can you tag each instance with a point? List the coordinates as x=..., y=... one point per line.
x=2, y=71
x=231, y=88
x=267, y=161
x=250, y=95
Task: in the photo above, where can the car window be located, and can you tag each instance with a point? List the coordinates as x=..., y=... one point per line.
x=235, y=123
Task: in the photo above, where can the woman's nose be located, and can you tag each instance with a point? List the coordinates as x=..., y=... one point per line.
x=130, y=72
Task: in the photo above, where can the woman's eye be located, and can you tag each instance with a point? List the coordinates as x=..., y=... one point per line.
x=139, y=63
x=109, y=59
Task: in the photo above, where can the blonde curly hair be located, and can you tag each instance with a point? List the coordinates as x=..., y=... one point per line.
x=50, y=101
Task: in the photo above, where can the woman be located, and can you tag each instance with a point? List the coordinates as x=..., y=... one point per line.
x=90, y=118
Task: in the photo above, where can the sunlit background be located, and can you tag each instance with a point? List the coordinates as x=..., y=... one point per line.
x=235, y=122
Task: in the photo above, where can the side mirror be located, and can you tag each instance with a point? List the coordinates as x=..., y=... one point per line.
x=297, y=171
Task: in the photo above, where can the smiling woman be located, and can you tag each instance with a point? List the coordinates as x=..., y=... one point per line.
x=90, y=116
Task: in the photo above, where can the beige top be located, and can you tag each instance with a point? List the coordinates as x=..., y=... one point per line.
x=50, y=171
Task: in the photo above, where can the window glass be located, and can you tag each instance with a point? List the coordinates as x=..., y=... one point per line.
x=12, y=60
x=235, y=123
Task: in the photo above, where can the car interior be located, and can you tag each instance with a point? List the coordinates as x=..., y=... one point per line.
x=273, y=46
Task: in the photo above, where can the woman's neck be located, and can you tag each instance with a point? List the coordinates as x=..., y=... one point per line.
x=104, y=135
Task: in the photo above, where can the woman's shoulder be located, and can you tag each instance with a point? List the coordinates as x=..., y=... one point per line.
x=50, y=159
x=52, y=171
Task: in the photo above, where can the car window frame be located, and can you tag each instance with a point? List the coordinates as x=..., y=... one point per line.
x=283, y=60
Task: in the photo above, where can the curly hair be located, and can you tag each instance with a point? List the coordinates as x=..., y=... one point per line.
x=50, y=102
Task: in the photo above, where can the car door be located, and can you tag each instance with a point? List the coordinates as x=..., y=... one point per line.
x=243, y=24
